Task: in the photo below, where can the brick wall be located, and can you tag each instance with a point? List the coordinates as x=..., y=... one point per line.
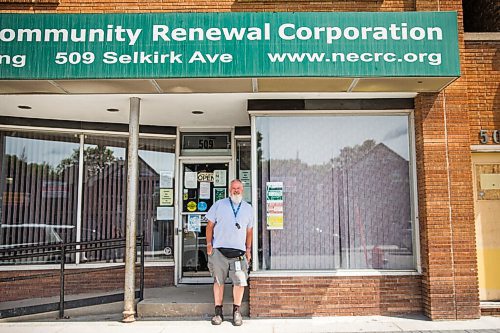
x=334, y=296
x=481, y=69
x=92, y=6
x=77, y=281
x=443, y=138
x=446, y=210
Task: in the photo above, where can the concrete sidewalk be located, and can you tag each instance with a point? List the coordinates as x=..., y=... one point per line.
x=111, y=324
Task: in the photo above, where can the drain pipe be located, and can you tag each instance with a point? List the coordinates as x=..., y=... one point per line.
x=132, y=185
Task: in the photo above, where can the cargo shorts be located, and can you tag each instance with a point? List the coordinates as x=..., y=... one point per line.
x=220, y=267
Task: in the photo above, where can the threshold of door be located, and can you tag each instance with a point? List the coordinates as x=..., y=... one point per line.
x=197, y=280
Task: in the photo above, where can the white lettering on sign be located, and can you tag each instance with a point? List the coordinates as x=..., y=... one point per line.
x=111, y=33
x=289, y=31
x=165, y=33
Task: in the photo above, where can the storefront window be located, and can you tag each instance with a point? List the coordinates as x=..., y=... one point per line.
x=39, y=183
x=105, y=192
x=156, y=197
x=334, y=192
x=39, y=180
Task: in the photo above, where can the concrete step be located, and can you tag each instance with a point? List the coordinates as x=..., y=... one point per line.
x=186, y=301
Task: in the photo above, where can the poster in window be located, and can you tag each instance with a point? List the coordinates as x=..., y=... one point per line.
x=246, y=177
x=190, y=180
x=205, y=190
x=274, y=205
x=219, y=193
x=220, y=178
x=164, y=213
x=194, y=222
x=166, y=197
x=166, y=179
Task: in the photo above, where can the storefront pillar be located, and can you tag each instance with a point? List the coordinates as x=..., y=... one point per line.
x=132, y=185
x=449, y=282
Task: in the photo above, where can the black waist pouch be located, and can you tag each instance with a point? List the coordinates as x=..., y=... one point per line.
x=230, y=253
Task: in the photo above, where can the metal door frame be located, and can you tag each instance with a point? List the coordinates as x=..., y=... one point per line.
x=178, y=221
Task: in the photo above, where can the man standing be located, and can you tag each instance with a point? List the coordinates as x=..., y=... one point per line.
x=229, y=244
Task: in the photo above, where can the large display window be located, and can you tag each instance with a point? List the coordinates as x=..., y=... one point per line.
x=40, y=186
x=334, y=192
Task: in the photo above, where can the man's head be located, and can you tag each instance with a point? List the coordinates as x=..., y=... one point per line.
x=236, y=191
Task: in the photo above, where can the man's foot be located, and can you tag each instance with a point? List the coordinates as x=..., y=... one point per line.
x=237, y=318
x=218, y=318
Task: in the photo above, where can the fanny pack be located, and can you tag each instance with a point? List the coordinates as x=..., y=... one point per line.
x=230, y=253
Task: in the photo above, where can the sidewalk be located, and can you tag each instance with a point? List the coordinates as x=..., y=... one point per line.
x=111, y=324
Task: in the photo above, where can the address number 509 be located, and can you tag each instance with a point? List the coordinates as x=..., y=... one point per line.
x=74, y=58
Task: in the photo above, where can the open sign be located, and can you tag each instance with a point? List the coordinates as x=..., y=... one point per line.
x=206, y=177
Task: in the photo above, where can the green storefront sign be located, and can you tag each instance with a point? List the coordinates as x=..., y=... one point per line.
x=177, y=45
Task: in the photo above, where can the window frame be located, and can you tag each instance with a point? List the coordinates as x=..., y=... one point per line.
x=81, y=134
x=410, y=114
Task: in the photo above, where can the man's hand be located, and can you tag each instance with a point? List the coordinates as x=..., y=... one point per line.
x=209, y=249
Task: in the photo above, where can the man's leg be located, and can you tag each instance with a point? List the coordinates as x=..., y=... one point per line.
x=238, y=292
x=218, y=318
x=218, y=293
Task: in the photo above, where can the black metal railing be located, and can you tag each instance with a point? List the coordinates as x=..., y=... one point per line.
x=61, y=251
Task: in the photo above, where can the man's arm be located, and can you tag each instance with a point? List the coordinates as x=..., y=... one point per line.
x=209, y=236
x=248, y=244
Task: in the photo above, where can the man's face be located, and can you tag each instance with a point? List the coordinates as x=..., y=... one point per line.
x=236, y=188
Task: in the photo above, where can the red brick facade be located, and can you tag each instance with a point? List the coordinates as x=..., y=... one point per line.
x=446, y=124
x=334, y=296
x=481, y=69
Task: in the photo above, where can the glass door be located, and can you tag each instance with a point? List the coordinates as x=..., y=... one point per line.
x=202, y=185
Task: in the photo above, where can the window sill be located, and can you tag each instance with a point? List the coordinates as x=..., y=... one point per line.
x=364, y=272
x=481, y=36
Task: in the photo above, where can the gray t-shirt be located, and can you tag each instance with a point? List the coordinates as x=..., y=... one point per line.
x=226, y=234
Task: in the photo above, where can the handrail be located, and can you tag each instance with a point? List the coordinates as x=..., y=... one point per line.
x=61, y=249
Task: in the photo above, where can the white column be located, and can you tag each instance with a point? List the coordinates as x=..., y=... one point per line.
x=132, y=192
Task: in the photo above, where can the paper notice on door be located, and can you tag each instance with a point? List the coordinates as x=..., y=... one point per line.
x=194, y=222
x=219, y=193
x=246, y=177
x=204, y=190
x=274, y=205
x=220, y=178
x=166, y=179
x=164, y=213
x=166, y=197
x=190, y=180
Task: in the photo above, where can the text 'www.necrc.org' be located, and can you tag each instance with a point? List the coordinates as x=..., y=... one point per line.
x=433, y=59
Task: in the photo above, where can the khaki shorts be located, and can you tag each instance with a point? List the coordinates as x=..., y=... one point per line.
x=220, y=267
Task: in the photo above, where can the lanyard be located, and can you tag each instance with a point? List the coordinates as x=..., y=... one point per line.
x=235, y=211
